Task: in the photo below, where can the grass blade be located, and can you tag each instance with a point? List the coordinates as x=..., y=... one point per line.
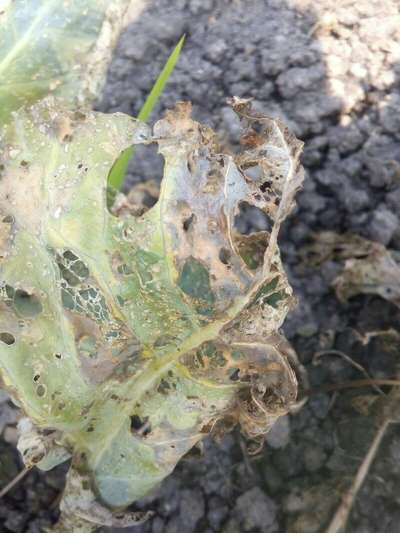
x=118, y=171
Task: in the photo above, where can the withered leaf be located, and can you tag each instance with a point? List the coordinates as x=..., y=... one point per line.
x=376, y=273
x=368, y=267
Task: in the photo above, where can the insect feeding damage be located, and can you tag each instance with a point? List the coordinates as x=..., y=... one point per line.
x=145, y=330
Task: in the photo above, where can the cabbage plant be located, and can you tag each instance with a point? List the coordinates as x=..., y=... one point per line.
x=128, y=339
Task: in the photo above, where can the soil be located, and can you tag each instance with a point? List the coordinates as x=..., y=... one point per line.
x=331, y=70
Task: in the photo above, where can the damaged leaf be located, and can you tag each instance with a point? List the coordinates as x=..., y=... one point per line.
x=131, y=336
x=368, y=267
x=53, y=47
x=331, y=246
x=377, y=273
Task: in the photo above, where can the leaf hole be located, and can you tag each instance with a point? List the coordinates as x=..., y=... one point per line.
x=41, y=391
x=188, y=222
x=146, y=166
x=78, y=115
x=191, y=166
x=224, y=256
x=7, y=338
x=265, y=186
x=164, y=387
x=139, y=425
x=235, y=375
x=254, y=173
x=27, y=305
x=252, y=219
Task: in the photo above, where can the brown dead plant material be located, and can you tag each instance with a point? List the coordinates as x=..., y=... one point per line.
x=14, y=482
x=368, y=267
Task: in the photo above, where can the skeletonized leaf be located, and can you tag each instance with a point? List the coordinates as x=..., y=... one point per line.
x=132, y=336
x=56, y=47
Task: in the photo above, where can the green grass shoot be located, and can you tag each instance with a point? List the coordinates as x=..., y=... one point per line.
x=118, y=172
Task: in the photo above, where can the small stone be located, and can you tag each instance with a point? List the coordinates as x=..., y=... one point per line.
x=158, y=525
x=296, y=79
x=358, y=221
x=242, y=89
x=389, y=114
x=273, y=62
x=217, y=513
x=381, y=173
x=299, y=233
x=352, y=165
x=313, y=150
x=273, y=480
x=314, y=106
x=353, y=199
x=216, y=50
x=335, y=66
x=383, y=225
x=255, y=509
x=320, y=405
x=312, y=202
x=304, y=57
x=329, y=177
x=279, y=434
x=200, y=6
x=232, y=527
x=241, y=68
x=15, y=520
x=346, y=138
x=8, y=416
x=314, y=458
x=349, y=93
x=329, y=271
x=294, y=501
x=11, y=435
x=358, y=70
x=393, y=200
x=191, y=508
